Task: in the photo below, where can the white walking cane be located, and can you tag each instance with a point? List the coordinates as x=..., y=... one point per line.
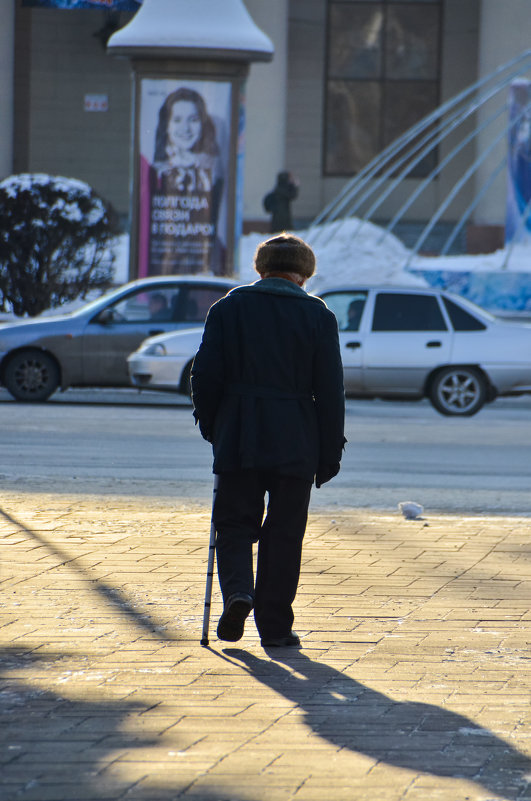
x=210, y=568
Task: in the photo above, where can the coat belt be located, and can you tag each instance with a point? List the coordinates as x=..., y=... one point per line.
x=252, y=391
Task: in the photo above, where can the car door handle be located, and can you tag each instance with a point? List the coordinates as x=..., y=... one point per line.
x=353, y=345
x=156, y=331
x=434, y=343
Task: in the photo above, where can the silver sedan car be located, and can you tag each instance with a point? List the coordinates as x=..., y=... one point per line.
x=396, y=342
x=89, y=347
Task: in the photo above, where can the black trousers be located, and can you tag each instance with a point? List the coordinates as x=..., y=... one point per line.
x=239, y=520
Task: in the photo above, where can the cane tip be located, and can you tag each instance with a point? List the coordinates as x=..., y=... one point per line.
x=204, y=641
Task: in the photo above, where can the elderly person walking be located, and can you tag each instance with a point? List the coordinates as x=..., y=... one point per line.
x=267, y=389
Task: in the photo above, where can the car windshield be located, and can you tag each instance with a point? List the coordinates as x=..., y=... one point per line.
x=97, y=302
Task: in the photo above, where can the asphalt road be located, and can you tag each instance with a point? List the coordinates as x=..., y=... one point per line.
x=129, y=443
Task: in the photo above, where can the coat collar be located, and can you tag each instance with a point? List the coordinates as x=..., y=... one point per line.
x=275, y=286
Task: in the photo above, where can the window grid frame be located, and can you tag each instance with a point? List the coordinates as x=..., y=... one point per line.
x=383, y=81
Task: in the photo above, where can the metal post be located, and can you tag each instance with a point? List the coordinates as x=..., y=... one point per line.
x=210, y=568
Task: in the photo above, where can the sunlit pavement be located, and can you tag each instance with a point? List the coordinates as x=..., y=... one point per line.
x=412, y=682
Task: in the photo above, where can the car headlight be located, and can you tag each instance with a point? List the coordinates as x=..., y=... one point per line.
x=157, y=349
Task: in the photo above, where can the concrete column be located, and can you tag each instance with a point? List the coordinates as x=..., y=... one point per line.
x=504, y=33
x=265, y=136
x=7, y=70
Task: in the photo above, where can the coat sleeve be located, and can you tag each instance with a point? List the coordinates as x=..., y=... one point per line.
x=329, y=393
x=208, y=374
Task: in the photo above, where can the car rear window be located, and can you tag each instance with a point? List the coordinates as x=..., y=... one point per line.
x=462, y=320
x=401, y=311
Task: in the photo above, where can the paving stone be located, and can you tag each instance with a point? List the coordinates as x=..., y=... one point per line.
x=411, y=684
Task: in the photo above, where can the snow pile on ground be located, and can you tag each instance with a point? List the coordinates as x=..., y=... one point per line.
x=356, y=252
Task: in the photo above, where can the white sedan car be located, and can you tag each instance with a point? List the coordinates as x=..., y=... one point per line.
x=164, y=362
x=396, y=342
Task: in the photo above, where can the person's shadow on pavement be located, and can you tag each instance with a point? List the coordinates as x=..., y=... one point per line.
x=412, y=735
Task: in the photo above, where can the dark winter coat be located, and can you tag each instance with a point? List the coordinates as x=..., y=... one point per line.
x=267, y=381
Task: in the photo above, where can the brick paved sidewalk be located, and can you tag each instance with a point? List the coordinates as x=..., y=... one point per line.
x=413, y=682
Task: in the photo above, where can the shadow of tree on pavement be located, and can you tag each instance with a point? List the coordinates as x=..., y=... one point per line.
x=57, y=748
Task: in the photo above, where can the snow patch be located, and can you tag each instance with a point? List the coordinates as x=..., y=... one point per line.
x=469, y=731
x=26, y=182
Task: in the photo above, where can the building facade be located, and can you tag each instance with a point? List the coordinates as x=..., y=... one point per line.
x=348, y=76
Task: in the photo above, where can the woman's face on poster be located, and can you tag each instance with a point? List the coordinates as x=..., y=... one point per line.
x=184, y=125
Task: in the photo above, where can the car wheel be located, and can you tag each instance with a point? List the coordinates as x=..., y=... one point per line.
x=460, y=391
x=31, y=376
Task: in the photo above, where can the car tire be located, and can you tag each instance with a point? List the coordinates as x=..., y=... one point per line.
x=458, y=391
x=31, y=375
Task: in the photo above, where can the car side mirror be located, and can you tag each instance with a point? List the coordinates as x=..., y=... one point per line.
x=106, y=316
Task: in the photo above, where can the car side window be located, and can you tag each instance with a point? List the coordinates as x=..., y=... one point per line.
x=197, y=301
x=461, y=319
x=401, y=311
x=145, y=306
x=347, y=307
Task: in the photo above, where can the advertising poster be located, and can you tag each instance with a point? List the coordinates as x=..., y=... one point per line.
x=518, y=216
x=184, y=154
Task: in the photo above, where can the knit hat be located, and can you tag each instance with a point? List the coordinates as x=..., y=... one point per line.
x=285, y=253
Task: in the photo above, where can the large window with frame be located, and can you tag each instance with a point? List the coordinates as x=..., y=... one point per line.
x=383, y=75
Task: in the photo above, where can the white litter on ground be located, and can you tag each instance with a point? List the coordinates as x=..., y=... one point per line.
x=410, y=509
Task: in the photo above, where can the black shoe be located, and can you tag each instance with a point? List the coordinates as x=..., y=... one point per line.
x=232, y=621
x=280, y=642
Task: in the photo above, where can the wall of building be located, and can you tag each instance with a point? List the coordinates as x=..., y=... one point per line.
x=458, y=71
x=266, y=98
x=59, y=62
x=307, y=49
x=7, y=76
x=57, y=134
x=305, y=104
